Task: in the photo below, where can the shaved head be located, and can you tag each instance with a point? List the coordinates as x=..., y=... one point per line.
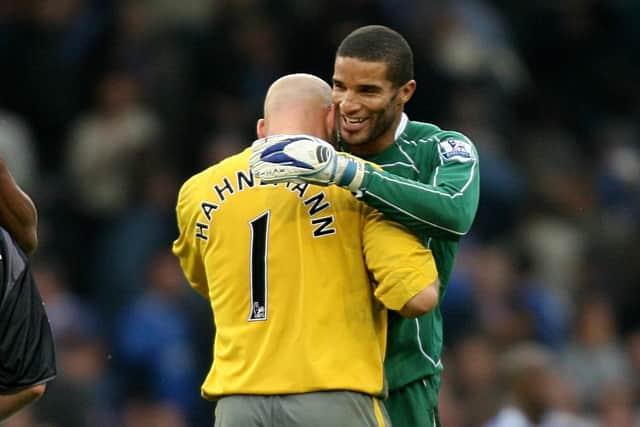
x=297, y=103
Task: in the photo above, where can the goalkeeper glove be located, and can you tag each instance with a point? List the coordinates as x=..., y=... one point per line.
x=305, y=158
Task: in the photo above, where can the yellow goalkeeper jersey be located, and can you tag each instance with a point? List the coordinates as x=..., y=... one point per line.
x=295, y=274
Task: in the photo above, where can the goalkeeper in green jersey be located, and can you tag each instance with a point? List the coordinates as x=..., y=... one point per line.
x=428, y=182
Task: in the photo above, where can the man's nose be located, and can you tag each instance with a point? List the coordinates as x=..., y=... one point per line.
x=348, y=103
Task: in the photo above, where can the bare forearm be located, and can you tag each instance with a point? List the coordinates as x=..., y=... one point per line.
x=12, y=403
x=18, y=213
x=423, y=302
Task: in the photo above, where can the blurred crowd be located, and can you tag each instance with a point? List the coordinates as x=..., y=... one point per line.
x=106, y=106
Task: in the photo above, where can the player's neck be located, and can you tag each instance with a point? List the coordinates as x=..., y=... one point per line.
x=295, y=130
x=293, y=125
x=371, y=148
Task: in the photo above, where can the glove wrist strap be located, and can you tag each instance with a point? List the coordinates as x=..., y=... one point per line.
x=352, y=173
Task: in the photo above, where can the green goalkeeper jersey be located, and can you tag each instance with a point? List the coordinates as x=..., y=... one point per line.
x=430, y=184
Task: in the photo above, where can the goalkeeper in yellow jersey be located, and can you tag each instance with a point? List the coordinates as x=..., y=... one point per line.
x=299, y=278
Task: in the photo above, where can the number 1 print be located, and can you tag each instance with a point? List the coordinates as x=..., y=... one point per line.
x=258, y=265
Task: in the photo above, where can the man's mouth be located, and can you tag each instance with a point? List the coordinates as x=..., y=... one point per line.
x=353, y=124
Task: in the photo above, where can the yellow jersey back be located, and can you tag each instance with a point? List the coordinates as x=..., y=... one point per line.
x=283, y=266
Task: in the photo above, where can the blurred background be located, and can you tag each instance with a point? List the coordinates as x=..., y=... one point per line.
x=106, y=106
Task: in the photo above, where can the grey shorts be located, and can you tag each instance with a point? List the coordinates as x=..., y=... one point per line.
x=317, y=409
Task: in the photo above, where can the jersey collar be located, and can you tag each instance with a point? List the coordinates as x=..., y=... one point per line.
x=401, y=126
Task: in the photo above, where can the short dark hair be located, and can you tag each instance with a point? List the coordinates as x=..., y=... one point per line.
x=377, y=43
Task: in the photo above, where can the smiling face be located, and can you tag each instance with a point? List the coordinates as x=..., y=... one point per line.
x=368, y=104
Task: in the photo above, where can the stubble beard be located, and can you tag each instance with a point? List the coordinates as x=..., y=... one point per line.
x=383, y=121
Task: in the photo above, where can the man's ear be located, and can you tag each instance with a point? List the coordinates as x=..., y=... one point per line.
x=260, y=129
x=331, y=122
x=407, y=90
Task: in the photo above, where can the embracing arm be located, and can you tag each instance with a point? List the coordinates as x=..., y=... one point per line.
x=443, y=205
x=442, y=201
x=423, y=302
x=18, y=214
x=403, y=270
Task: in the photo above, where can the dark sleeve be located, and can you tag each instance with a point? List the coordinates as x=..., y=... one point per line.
x=27, y=354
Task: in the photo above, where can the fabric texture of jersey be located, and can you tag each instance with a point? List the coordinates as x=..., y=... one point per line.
x=27, y=354
x=283, y=266
x=439, y=207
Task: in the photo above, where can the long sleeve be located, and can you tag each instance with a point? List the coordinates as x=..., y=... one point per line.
x=441, y=200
